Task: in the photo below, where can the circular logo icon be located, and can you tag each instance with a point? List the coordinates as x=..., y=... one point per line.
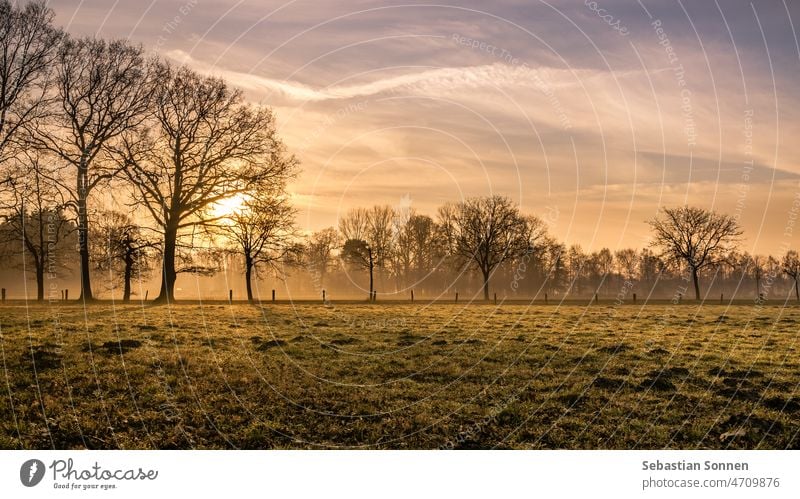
x=31, y=472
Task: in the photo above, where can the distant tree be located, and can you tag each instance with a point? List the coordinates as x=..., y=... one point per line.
x=791, y=267
x=34, y=224
x=205, y=145
x=358, y=253
x=576, y=265
x=414, y=247
x=374, y=226
x=320, y=252
x=602, y=265
x=627, y=263
x=28, y=44
x=262, y=233
x=124, y=250
x=485, y=232
x=104, y=90
x=696, y=237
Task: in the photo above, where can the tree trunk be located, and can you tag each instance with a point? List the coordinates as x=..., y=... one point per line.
x=168, y=275
x=40, y=280
x=83, y=234
x=696, y=284
x=248, y=274
x=126, y=285
x=486, y=285
x=371, y=269
x=796, y=290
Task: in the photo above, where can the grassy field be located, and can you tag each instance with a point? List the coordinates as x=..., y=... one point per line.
x=400, y=376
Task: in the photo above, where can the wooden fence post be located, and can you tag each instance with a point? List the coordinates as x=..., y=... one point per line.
x=273, y=295
x=323, y=296
x=412, y=296
x=230, y=296
x=495, y=298
x=4, y=294
x=66, y=295
x=545, y=298
x=456, y=296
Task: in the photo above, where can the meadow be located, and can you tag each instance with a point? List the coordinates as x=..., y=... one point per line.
x=400, y=376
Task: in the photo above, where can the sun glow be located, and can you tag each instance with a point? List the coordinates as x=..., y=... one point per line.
x=228, y=206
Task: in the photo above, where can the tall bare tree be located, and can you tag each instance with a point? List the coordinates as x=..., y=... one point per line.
x=485, y=232
x=104, y=89
x=28, y=45
x=262, y=232
x=696, y=237
x=205, y=145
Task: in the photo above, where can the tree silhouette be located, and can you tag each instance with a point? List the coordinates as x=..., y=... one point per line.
x=319, y=252
x=205, y=145
x=262, y=233
x=485, y=232
x=123, y=249
x=28, y=44
x=791, y=267
x=696, y=237
x=358, y=253
x=103, y=90
x=35, y=222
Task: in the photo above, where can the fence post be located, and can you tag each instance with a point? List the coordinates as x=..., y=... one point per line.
x=323, y=296
x=595, y=299
x=412, y=296
x=4, y=294
x=66, y=295
x=721, y=298
x=634, y=297
x=230, y=296
x=495, y=298
x=545, y=298
x=146, y=292
x=456, y=296
x=273, y=295
x=374, y=295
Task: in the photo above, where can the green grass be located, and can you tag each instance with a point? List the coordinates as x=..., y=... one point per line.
x=400, y=376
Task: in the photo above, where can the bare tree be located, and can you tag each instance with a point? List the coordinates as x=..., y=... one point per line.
x=415, y=247
x=35, y=221
x=319, y=252
x=262, y=233
x=696, y=237
x=207, y=145
x=123, y=249
x=485, y=232
x=627, y=263
x=104, y=90
x=791, y=267
x=358, y=253
x=28, y=44
x=354, y=224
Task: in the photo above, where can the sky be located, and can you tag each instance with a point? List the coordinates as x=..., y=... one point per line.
x=590, y=114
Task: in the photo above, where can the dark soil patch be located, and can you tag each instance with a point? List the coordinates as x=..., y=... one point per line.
x=790, y=405
x=660, y=384
x=270, y=344
x=121, y=346
x=147, y=327
x=622, y=347
x=608, y=383
x=43, y=358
